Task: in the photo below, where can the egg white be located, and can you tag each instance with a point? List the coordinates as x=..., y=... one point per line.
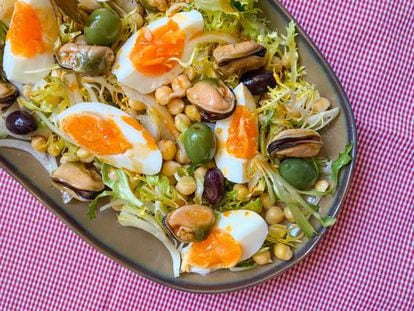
x=233, y=168
x=248, y=228
x=139, y=158
x=29, y=70
x=190, y=22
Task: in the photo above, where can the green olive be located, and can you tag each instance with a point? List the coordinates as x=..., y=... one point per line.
x=103, y=28
x=298, y=172
x=200, y=143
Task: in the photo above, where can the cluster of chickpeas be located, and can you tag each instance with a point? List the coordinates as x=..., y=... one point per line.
x=184, y=114
x=54, y=146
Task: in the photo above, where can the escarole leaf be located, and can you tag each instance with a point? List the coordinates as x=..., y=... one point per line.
x=343, y=159
x=119, y=184
x=216, y=5
x=93, y=206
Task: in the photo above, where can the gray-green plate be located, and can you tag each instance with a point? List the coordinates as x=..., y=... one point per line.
x=141, y=252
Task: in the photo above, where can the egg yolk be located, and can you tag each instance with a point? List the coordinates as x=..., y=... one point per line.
x=147, y=136
x=99, y=136
x=242, y=141
x=152, y=50
x=219, y=250
x=31, y=30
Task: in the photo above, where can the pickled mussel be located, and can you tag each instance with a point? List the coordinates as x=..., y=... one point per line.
x=88, y=59
x=190, y=223
x=239, y=58
x=213, y=98
x=300, y=143
x=80, y=182
x=8, y=93
x=258, y=81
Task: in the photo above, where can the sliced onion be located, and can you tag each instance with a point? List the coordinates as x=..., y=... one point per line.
x=47, y=161
x=213, y=36
x=129, y=220
x=153, y=106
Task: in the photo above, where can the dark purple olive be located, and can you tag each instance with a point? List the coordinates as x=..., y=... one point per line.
x=20, y=123
x=258, y=81
x=214, y=186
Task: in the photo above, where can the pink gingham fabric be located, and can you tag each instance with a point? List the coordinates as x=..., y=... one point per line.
x=364, y=263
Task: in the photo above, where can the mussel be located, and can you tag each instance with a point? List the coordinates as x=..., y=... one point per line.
x=213, y=98
x=301, y=143
x=190, y=223
x=88, y=59
x=239, y=58
x=8, y=93
x=81, y=183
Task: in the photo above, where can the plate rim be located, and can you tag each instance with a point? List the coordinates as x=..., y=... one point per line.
x=42, y=196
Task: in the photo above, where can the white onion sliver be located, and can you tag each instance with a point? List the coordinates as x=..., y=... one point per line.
x=44, y=160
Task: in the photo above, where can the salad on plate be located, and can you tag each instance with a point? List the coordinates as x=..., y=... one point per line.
x=191, y=120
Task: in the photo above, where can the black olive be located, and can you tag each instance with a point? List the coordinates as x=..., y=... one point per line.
x=258, y=81
x=214, y=186
x=20, y=123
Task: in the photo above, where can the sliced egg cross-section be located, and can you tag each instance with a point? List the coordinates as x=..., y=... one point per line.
x=238, y=137
x=237, y=236
x=112, y=136
x=149, y=58
x=28, y=52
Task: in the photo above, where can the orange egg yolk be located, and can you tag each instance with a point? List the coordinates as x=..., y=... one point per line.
x=219, y=250
x=147, y=136
x=99, y=136
x=153, y=49
x=27, y=34
x=242, y=141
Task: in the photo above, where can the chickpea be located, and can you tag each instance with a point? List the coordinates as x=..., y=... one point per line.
x=274, y=215
x=169, y=168
x=182, y=122
x=55, y=148
x=161, y=5
x=39, y=143
x=180, y=85
x=182, y=157
x=267, y=203
x=322, y=104
x=262, y=257
x=186, y=185
x=176, y=106
x=136, y=105
x=321, y=185
x=191, y=73
x=167, y=148
x=282, y=252
x=241, y=192
x=163, y=95
x=192, y=113
x=288, y=214
x=84, y=155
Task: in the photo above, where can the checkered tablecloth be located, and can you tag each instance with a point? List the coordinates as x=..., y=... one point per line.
x=364, y=263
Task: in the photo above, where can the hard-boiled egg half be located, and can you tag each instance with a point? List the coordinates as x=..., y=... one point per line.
x=112, y=136
x=237, y=236
x=28, y=53
x=238, y=137
x=145, y=61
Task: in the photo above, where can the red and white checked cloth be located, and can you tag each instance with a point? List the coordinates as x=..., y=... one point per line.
x=364, y=263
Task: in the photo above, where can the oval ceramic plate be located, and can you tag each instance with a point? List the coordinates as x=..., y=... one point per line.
x=141, y=252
